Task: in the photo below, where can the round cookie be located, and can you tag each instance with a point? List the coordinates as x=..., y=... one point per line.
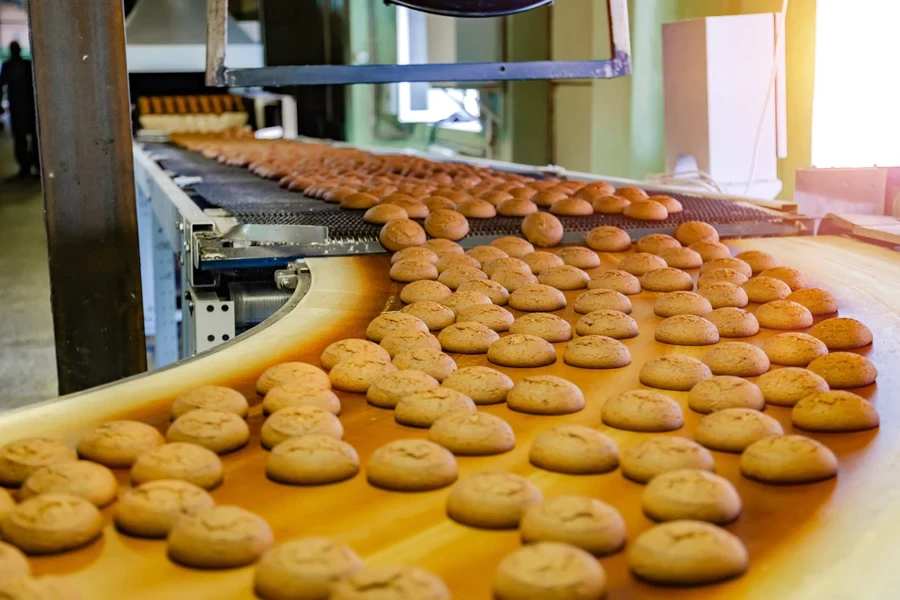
x=758, y=260
x=601, y=299
x=581, y=521
x=681, y=303
x=20, y=458
x=834, y=412
x=787, y=386
x=709, y=250
x=736, y=358
x=400, y=234
x=842, y=333
x=477, y=209
x=491, y=500
x=411, y=466
x=519, y=350
x=449, y=261
x=541, y=260
x=358, y=201
x=794, y=278
x=733, y=429
x=783, y=314
x=210, y=397
x=545, y=395
x=414, y=253
x=467, y=338
x=83, y=478
x=515, y=247
x=727, y=263
x=607, y=238
x=513, y=279
x=408, y=340
x=673, y=372
x=420, y=291
x=288, y=372
x=473, y=434
x=300, y=393
x=692, y=232
x=494, y=291
x=843, y=370
x=441, y=246
x=358, y=374
x=219, y=537
x=295, y=421
x=542, y=229
x=523, y=192
x=436, y=316
x=516, y=207
x=725, y=391
x=389, y=322
x=52, y=523
x=388, y=389
x=642, y=410
x=485, y=254
x=574, y=449
x=765, y=289
x=490, y=315
x=422, y=409
x=817, y=301
x=13, y=564
x=400, y=583
x=579, y=256
x=655, y=243
x=483, y=385
x=219, y=431
x=595, y=189
x=117, y=444
x=639, y=263
x=38, y=588
x=691, y=494
x=312, y=460
x=414, y=209
x=549, y=570
x=438, y=202
x=537, y=297
x=508, y=263
x=632, y=193
x=7, y=503
x=456, y=276
x=428, y=360
x=667, y=279
x=497, y=197
x=305, y=568
x=572, y=207
x=729, y=275
x=733, y=322
x=619, y=281
x=793, y=349
x=609, y=323
x=653, y=456
x=646, y=210
x=681, y=258
x=543, y=325
x=189, y=462
x=722, y=294
x=687, y=552
x=461, y=300
x=565, y=277
x=151, y=509
x=788, y=460
x=596, y=352
x=406, y=271
x=686, y=330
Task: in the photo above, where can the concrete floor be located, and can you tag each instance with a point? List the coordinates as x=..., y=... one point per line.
x=27, y=355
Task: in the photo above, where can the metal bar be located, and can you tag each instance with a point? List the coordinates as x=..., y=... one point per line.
x=470, y=9
x=89, y=196
x=216, y=40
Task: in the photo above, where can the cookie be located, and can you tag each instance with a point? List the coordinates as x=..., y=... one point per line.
x=436, y=316
x=219, y=431
x=609, y=323
x=312, y=460
x=793, y=349
x=288, y=372
x=456, y=260
x=602, y=299
x=515, y=247
x=420, y=291
x=691, y=494
x=219, y=537
x=580, y=521
x=709, y=250
x=681, y=258
x=758, y=260
x=414, y=253
x=456, y=276
x=400, y=583
x=300, y=393
x=788, y=460
x=842, y=333
x=686, y=330
x=357, y=374
x=794, y=278
x=619, y=281
x=817, y=301
x=834, y=412
x=722, y=294
x=733, y=322
x=681, y=303
x=733, y=264
x=549, y=570
x=785, y=387
x=783, y=314
x=20, y=458
x=38, y=588
x=490, y=315
x=666, y=280
x=523, y=192
x=565, y=277
x=210, y=397
x=572, y=207
x=537, y=298
x=491, y=500
x=494, y=291
x=441, y=247
x=543, y=325
x=736, y=358
x=6, y=504
x=428, y=360
x=596, y=189
x=692, y=232
x=518, y=350
x=506, y=263
x=476, y=209
x=295, y=421
x=438, y=202
x=687, y=552
x=422, y=409
x=411, y=466
x=151, y=509
x=461, y=300
x=467, y=338
x=729, y=275
x=646, y=210
x=516, y=207
x=607, y=238
x=482, y=384
x=641, y=262
x=408, y=340
x=406, y=271
x=388, y=389
x=117, y=444
x=548, y=198
x=13, y=564
x=542, y=229
x=485, y=254
x=189, y=462
x=596, y=352
x=83, y=478
x=843, y=370
x=765, y=289
x=52, y=523
x=541, y=260
x=574, y=449
x=642, y=410
x=305, y=568
x=447, y=224
x=359, y=201
x=655, y=243
x=579, y=257
x=653, y=456
x=725, y=391
x=673, y=372
x=497, y=197
x=672, y=205
x=514, y=279
x=734, y=429
x=473, y=434
x=545, y=395
x=632, y=193
x=400, y=234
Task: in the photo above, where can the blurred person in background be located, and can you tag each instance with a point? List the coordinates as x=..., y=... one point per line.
x=16, y=76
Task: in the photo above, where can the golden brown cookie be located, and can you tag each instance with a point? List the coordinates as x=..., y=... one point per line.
x=834, y=412
x=653, y=456
x=411, y=466
x=472, y=434
x=13, y=564
x=357, y=374
x=20, y=458
x=52, y=523
x=38, y=588
x=468, y=337
x=783, y=314
x=709, y=250
x=485, y=254
x=447, y=224
x=607, y=238
x=294, y=421
x=766, y=289
x=83, y=478
x=681, y=303
x=596, y=352
x=602, y=299
x=609, y=323
x=733, y=429
x=691, y=494
x=619, y=281
x=758, y=260
x=632, y=193
x=722, y=294
x=428, y=360
x=461, y=300
x=541, y=260
x=210, y=397
x=422, y=409
x=304, y=568
x=300, y=393
x=408, y=340
x=414, y=253
x=580, y=521
x=434, y=314
x=639, y=263
x=516, y=207
x=655, y=243
x=400, y=234
x=400, y=583
x=289, y=372
x=574, y=449
x=358, y=201
x=729, y=275
x=545, y=395
x=537, y=298
x=117, y=444
x=673, y=372
x=725, y=391
x=686, y=330
x=456, y=260
x=476, y=209
x=549, y=570
x=388, y=389
x=483, y=385
x=419, y=291
x=642, y=410
x=564, y=277
x=818, y=301
x=494, y=291
x=579, y=256
x=550, y=327
x=523, y=192
x=151, y=509
x=441, y=247
x=739, y=359
x=733, y=322
x=667, y=279
x=681, y=258
x=793, y=349
x=492, y=316
x=456, y=276
x=189, y=462
x=219, y=537
x=734, y=264
x=6, y=504
x=518, y=350
x=788, y=459
x=646, y=210
x=312, y=460
x=515, y=247
x=216, y=430
x=794, y=278
x=548, y=198
x=513, y=279
x=496, y=197
x=542, y=229
x=438, y=202
x=785, y=387
x=572, y=207
x=491, y=500
x=406, y=271
x=842, y=333
x=844, y=370
x=672, y=205
x=692, y=232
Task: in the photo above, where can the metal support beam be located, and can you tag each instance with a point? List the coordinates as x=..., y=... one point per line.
x=84, y=124
x=216, y=40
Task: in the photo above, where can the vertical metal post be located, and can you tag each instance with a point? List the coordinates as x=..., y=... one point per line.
x=216, y=41
x=78, y=49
